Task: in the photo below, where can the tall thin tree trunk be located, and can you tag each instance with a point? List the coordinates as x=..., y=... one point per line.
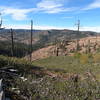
x=78, y=31
x=31, y=40
x=12, y=43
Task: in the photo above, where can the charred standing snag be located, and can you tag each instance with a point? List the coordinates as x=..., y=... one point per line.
x=78, y=32
x=12, y=43
x=31, y=40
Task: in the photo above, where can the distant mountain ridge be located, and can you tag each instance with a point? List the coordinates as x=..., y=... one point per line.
x=41, y=39
x=48, y=36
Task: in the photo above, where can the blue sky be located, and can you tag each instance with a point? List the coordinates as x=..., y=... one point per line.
x=51, y=14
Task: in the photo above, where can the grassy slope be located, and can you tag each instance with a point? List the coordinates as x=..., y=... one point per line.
x=69, y=64
x=47, y=88
x=62, y=63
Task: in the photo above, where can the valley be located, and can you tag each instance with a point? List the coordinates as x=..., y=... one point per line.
x=62, y=61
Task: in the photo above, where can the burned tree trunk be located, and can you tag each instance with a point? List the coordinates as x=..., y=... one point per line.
x=12, y=43
x=31, y=40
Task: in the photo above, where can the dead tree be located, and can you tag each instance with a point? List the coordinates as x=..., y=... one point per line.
x=31, y=40
x=88, y=47
x=1, y=22
x=57, y=51
x=96, y=43
x=12, y=43
x=78, y=31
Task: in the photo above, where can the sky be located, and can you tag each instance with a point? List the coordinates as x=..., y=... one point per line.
x=51, y=14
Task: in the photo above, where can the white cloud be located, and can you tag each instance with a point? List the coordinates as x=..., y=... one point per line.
x=93, y=5
x=49, y=4
x=91, y=28
x=17, y=14
x=42, y=27
x=53, y=6
x=44, y=6
x=17, y=26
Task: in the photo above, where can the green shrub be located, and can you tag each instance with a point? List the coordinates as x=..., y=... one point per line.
x=77, y=55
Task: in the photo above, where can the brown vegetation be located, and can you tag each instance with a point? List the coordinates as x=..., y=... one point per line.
x=86, y=45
